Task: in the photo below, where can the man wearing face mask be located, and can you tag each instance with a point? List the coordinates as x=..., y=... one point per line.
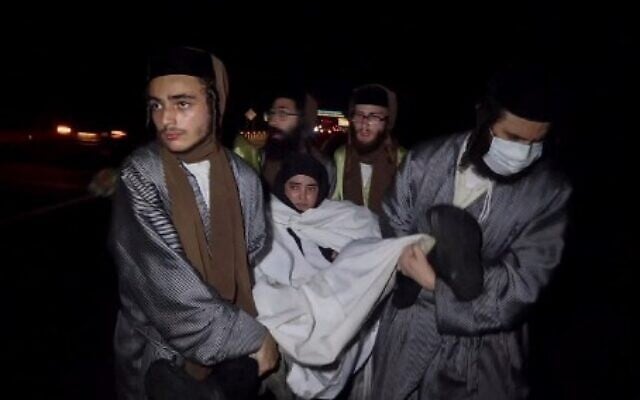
x=499, y=174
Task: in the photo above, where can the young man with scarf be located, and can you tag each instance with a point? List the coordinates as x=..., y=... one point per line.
x=291, y=119
x=501, y=174
x=188, y=224
x=327, y=270
x=366, y=165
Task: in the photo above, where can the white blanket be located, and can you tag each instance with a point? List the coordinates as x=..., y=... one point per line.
x=314, y=311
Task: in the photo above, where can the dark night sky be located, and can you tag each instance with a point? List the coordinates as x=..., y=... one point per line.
x=89, y=66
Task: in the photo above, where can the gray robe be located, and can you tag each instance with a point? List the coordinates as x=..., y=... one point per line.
x=167, y=311
x=443, y=348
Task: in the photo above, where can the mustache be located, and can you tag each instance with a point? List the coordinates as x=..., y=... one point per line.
x=171, y=129
x=272, y=130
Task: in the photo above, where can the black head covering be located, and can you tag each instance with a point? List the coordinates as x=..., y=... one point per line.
x=526, y=91
x=180, y=61
x=301, y=164
x=371, y=94
x=293, y=92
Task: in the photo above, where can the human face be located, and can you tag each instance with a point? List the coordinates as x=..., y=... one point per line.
x=179, y=110
x=283, y=116
x=517, y=129
x=516, y=143
x=302, y=191
x=369, y=122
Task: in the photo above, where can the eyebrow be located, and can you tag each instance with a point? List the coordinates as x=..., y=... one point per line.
x=512, y=135
x=300, y=184
x=180, y=96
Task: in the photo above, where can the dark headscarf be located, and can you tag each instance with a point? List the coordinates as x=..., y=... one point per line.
x=301, y=164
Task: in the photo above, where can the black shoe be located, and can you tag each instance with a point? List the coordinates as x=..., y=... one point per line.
x=456, y=256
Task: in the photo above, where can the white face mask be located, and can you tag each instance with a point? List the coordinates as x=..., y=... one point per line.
x=506, y=157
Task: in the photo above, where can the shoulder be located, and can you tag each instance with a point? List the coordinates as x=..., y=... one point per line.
x=246, y=176
x=144, y=161
x=438, y=150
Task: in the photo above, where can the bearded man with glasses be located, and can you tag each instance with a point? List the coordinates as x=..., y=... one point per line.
x=291, y=120
x=366, y=165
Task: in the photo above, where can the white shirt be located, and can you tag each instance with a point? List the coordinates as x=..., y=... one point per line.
x=201, y=172
x=366, y=171
x=469, y=186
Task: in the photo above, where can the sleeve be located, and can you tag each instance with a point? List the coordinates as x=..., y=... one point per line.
x=398, y=204
x=156, y=279
x=258, y=229
x=513, y=283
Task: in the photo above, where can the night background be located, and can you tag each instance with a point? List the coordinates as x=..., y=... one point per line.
x=84, y=66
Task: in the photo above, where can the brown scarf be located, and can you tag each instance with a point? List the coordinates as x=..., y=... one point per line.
x=384, y=163
x=229, y=272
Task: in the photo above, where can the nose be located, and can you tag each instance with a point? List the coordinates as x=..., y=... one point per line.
x=364, y=126
x=297, y=196
x=308, y=197
x=168, y=116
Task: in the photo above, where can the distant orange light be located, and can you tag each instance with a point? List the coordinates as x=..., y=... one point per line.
x=63, y=129
x=343, y=122
x=118, y=134
x=88, y=137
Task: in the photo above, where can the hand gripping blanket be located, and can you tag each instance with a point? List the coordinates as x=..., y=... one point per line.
x=316, y=313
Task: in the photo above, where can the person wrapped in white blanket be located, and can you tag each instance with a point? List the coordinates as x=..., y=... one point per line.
x=327, y=270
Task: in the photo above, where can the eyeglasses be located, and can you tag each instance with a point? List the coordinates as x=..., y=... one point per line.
x=370, y=118
x=280, y=113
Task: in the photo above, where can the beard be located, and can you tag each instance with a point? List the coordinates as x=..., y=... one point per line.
x=364, y=149
x=477, y=147
x=281, y=144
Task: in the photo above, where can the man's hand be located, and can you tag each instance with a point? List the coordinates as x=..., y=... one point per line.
x=413, y=263
x=267, y=356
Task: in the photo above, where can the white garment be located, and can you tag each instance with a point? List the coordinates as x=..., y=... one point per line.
x=314, y=312
x=469, y=186
x=366, y=171
x=201, y=172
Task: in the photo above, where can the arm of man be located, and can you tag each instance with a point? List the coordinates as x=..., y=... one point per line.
x=513, y=283
x=398, y=205
x=154, y=273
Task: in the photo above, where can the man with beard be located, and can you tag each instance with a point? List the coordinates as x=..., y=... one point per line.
x=366, y=165
x=500, y=175
x=291, y=119
x=188, y=223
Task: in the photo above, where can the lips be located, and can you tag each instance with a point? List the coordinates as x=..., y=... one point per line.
x=171, y=136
